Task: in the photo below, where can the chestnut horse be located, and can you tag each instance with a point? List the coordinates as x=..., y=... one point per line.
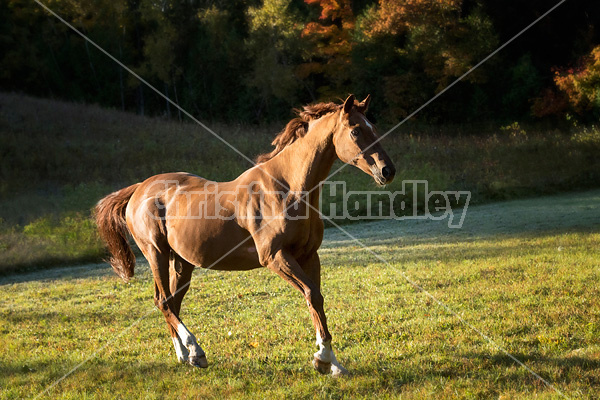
x=267, y=217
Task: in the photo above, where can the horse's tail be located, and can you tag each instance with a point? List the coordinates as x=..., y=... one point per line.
x=110, y=218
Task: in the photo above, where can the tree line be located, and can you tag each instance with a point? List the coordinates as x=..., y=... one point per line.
x=253, y=61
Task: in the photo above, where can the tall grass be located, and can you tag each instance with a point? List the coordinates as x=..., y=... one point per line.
x=59, y=158
x=50, y=240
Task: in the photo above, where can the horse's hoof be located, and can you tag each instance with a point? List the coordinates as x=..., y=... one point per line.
x=198, y=361
x=321, y=366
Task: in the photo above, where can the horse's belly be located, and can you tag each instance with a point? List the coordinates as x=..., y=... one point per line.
x=230, y=253
x=214, y=244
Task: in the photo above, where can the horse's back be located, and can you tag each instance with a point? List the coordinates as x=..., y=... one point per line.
x=183, y=211
x=162, y=182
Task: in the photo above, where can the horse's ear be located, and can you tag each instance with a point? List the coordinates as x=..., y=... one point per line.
x=349, y=103
x=364, y=105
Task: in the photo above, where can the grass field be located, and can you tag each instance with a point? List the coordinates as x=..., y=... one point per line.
x=525, y=273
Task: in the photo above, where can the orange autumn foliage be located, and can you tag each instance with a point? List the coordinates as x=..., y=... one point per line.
x=331, y=41
x=578, y=88
x=395, y=17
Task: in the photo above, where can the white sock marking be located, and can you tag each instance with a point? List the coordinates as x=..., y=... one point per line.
x=180, y=350
x=189, y=341
x=325, y=353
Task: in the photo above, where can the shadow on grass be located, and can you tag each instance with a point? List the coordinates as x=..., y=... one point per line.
x=575, y=369
x=570, y=368
x=570, y=362
x=240, y=374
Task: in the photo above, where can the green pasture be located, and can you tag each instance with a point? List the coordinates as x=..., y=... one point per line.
x=524, y=273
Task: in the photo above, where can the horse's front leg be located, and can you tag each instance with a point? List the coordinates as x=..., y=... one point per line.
x=325, y=360
x=288, y=268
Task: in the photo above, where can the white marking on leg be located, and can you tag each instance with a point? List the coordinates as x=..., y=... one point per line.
x=189, y=341
x=180, y=350
x=324, y=354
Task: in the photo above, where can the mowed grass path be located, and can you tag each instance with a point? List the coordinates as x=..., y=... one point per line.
x=525, y=273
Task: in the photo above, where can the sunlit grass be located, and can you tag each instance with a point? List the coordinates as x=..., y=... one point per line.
x=524, y=273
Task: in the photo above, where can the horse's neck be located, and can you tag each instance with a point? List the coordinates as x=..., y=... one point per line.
x=307, y=162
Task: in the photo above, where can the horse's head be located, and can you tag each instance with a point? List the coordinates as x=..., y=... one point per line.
x=356, y=142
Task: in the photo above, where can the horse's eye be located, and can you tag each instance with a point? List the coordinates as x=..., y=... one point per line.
x=355, y=132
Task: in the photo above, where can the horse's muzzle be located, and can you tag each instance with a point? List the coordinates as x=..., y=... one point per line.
x=385, y=175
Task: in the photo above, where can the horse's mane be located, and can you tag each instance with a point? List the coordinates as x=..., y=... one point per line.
x=297, y=128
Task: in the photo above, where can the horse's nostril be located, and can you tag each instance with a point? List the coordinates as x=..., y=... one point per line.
x=386, y=172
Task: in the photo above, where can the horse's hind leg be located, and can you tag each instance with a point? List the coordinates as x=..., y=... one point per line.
x=189, y=350
x=180, y=350
x=180, y=273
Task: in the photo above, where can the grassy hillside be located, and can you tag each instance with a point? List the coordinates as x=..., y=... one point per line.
x=525, y=273
x=57, y=159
